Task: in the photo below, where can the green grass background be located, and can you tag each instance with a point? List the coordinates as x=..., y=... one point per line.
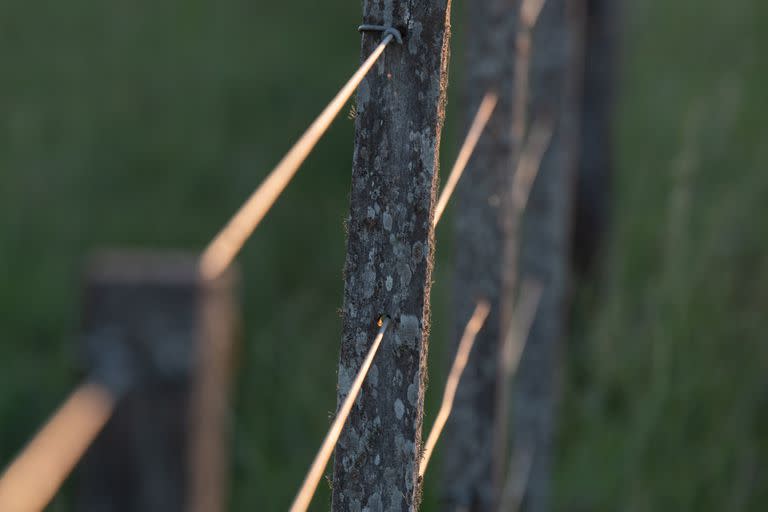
x=146, y=123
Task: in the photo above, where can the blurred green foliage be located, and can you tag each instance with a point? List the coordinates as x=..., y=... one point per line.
x=667, y=386
x=145, y=124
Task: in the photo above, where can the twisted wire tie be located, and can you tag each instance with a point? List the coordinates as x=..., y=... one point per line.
x=384, y=30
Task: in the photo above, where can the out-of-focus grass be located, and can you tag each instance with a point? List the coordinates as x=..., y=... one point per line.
x=147, y=123
x=665, y=404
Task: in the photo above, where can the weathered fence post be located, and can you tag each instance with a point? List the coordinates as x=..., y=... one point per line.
x=165, y=336
x=467, y=482
x=389, y=255
x=555, y=84
x=492, y=254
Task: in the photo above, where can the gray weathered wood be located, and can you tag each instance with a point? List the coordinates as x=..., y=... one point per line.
x=489, y=256
x=162, y=338
x=389, y=255
x=556, y=70
x=466, y=481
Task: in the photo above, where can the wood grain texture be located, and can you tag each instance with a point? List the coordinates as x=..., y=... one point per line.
x=389, y=255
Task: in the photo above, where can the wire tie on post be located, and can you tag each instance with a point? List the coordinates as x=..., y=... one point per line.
x=384, y=30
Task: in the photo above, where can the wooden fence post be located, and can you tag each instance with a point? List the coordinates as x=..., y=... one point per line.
x=163, y=337
x=555, y=85
x=466, y=479
x=389, y=255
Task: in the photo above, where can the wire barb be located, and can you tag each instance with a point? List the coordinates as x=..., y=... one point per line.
x=304, y=496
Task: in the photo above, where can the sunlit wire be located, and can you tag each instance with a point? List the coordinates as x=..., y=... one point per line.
x=454, y=377
x=34, y=477
x=224, y=248
x=482, y=116
x=308, y=487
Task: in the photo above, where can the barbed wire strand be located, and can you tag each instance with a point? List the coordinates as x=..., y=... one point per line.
x=33, y=478
x=476, y=129
x=308, y=487
x=474, y=325
x=224, y=248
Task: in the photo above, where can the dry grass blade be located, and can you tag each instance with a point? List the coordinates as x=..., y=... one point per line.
x=34, y=477
x=479, y=123
x=454, y=377
x=222, y=250
x=304, y=496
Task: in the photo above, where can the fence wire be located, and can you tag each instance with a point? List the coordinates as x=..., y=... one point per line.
x=224, y=248
x=476, y=129
x=474, y=325
x=307, y=490
x=34, y=477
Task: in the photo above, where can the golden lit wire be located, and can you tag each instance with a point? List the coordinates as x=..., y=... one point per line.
x=454, y=377
x=308, y=487
x=34, y=477
x=224, y=248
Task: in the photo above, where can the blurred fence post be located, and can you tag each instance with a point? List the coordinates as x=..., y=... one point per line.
x=389, y=255
x=556, y=55
x=151, y=321
x=468, y=451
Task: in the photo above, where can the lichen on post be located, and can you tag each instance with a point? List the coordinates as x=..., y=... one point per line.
x=400, y=109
